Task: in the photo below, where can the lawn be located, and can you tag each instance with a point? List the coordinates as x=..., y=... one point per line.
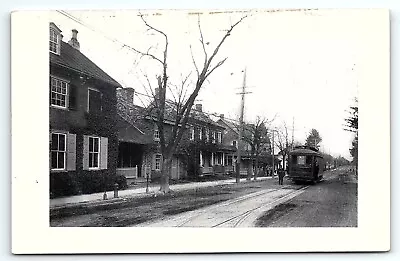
x=132, y=211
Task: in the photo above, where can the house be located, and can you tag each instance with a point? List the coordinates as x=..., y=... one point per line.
x=247, y=159
x=200, y=152
x=83, y=134
x=208, y=155
x=139, y=154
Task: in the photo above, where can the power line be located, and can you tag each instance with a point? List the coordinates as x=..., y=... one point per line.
x=214, y=114
x=77, y=20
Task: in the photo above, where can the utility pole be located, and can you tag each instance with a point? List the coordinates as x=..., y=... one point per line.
x=273, y=153
x=292, y=134
x=240, y=128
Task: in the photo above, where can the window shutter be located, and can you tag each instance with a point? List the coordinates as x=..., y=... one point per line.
x=71, y=151
x=85, y=152
x=72, y=99
x=103, y=152
x=153, y=161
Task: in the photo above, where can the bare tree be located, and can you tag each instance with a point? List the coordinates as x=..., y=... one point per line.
x=183, y=101
x=283, y=143
x=256, y=135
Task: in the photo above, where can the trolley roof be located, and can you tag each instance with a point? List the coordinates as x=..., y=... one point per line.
x=305, y=151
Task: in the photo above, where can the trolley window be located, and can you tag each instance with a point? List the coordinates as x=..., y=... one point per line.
x=302, y=160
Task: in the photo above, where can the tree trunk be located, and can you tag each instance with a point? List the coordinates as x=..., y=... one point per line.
x=249, y=170
x=284, y=162
x=256, y=172
x=165, y=174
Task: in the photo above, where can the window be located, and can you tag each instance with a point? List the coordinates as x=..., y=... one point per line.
x=207, y=135
x=158, y=162
x=191, y=133
x=58, y=151
x=94, y=101
x=218, y=158
x=200, y=133
x=301, y=160
x=219, y=137
x=234, y=143
x=213, y=137
x=58, y=89
x=54, y=41
x=156, y=134
x=94, y=152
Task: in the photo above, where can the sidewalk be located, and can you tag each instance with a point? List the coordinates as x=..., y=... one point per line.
x=137, y=192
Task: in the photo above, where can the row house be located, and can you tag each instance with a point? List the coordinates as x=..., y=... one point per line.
x=200, y=152
x=83, y=130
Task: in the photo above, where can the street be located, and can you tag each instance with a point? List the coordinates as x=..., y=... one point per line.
x=263, y=203
x=331, y=203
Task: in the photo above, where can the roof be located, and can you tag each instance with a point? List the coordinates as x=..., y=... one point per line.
x=201, y=116
x=304, y=151
x=229, y=124
x=75, y=60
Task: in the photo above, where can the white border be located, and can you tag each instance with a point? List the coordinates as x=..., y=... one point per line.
x=30, y=188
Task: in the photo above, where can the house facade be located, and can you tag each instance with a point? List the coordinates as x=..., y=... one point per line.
x=200, y=152
x=83, y=132
x=207, y=153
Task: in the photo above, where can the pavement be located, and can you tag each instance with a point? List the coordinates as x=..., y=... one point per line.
x=136, y=192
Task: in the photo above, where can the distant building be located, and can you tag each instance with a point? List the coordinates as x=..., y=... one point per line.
x=83, y=131
x=231, y=138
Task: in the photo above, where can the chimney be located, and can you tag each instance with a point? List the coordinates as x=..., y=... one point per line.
x=221, y=116
x=127, y=94
x=74, y=40
x=199, y=107
x=156, y=93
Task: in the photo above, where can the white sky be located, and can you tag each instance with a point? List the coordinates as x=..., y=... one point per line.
x=300, y=64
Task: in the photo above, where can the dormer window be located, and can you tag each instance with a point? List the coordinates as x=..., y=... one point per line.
x=55, y=39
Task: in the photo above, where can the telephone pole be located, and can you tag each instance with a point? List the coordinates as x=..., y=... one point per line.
x=292, y=133
x=240, y=128
x=273, y=153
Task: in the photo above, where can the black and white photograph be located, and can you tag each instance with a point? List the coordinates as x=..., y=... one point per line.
x=208, y=119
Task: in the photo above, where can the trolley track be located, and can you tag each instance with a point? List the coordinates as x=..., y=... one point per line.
x=238, y=219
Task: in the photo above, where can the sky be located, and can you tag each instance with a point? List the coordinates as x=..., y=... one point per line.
x=302, y=67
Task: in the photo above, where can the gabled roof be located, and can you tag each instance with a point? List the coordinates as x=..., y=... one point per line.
x=228, y=124
x=202, y=117
x=73, y=59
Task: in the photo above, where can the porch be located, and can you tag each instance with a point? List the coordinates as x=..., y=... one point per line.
x=215, y=163
x=130, y=161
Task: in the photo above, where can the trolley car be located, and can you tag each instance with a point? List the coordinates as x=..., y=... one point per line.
x=305, y=164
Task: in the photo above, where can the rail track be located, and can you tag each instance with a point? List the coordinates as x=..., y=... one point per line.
x=237, y=219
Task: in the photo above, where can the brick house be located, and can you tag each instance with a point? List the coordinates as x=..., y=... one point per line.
x=83, y=133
